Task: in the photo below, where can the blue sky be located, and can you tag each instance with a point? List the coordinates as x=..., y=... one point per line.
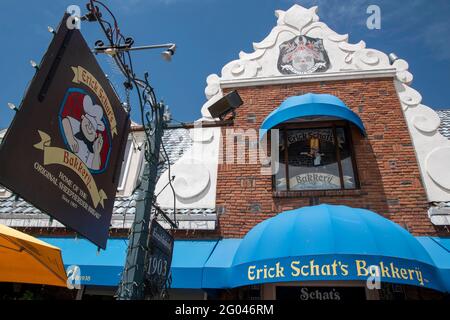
x=210, y=33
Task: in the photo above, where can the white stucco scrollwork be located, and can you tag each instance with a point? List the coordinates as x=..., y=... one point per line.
x=432, y=149
x=437, y=165
x=426, y=120
x=368, y=59
x=213, y=93
x=194, y=174
x=408, y=96
x=299, y=17
x=262, y=62
x=213, y=87
x=241, y=69
x=191, y=179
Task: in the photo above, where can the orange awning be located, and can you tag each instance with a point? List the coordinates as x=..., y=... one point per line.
x=25, y=259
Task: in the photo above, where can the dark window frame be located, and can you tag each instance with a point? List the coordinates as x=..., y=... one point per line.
x=320, y=125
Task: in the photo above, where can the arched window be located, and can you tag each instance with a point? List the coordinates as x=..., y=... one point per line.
x=315, y=144
x=317, y=156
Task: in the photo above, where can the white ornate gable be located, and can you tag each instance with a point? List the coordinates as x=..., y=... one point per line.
x=347, y=61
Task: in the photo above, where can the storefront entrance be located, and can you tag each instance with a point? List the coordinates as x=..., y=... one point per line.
x=320, y=291
x=339, y=291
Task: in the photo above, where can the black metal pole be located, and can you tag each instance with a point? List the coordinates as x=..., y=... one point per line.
x=132, y=285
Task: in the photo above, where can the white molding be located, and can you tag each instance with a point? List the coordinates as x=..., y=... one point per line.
x=347, y=60
x=127, y=167
x=132, y=165
x=439, y=216
x=318, y=77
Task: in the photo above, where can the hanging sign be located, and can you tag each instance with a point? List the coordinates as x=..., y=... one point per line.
x=64, y=149
x=161, y=244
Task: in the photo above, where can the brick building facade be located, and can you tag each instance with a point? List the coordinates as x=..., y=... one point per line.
x=390, y=181
x=381, y=197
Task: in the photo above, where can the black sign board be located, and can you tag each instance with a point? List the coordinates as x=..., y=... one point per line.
x=321, y=293
x=64, y=149
x=161, y=248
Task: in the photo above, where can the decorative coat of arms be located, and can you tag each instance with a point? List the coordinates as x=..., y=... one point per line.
x=303, y=55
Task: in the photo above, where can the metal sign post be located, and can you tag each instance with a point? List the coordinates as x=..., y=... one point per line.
x=157, y=278
x=68, y=139
x=132, y=285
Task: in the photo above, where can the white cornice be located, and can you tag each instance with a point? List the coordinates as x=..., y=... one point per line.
x=318, y=77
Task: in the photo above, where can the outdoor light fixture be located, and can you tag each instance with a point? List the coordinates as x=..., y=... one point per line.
x=167, y=114
x=126, y=106
x=167, y=55
x=392, y=58
x=226, y=105
x=34, y=64
x=112, y=51
x=12, y=106
x=51, y=30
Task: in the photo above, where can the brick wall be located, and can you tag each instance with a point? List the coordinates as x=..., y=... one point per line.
x=387, y=167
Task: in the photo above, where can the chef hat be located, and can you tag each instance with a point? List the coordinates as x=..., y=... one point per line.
x=94, y=113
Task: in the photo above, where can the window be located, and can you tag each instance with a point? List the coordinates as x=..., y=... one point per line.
x=316, y=158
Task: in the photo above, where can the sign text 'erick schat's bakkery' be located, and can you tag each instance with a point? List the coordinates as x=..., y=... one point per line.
x=303, y=269
x=64, y=148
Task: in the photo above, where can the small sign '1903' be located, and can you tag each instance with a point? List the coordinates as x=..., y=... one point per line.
x=160, y=249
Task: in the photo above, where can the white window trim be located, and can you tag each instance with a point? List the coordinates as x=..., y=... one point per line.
x=127, y=169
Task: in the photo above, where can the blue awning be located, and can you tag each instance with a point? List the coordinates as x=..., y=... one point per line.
x=104, y=268
x=439, y=250
x=100, y=268
x=216, y=273
x=189, y=258
x=323, y=243
x=311, y=105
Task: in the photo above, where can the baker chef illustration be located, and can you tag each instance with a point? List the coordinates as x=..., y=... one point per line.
x=84, y=135
x=314, y=150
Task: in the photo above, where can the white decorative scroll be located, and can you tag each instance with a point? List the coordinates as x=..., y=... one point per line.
x=262, y=63
x=432, y=149
x=191, y=179
x=292, y=23
x=437, y=163
x=346, y=58
x=194, y=175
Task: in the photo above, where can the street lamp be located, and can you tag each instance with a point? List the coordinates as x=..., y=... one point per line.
x=113, y=50
x=167, y=55
x=51, y=30
x=34, y=64
x=12, y=106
